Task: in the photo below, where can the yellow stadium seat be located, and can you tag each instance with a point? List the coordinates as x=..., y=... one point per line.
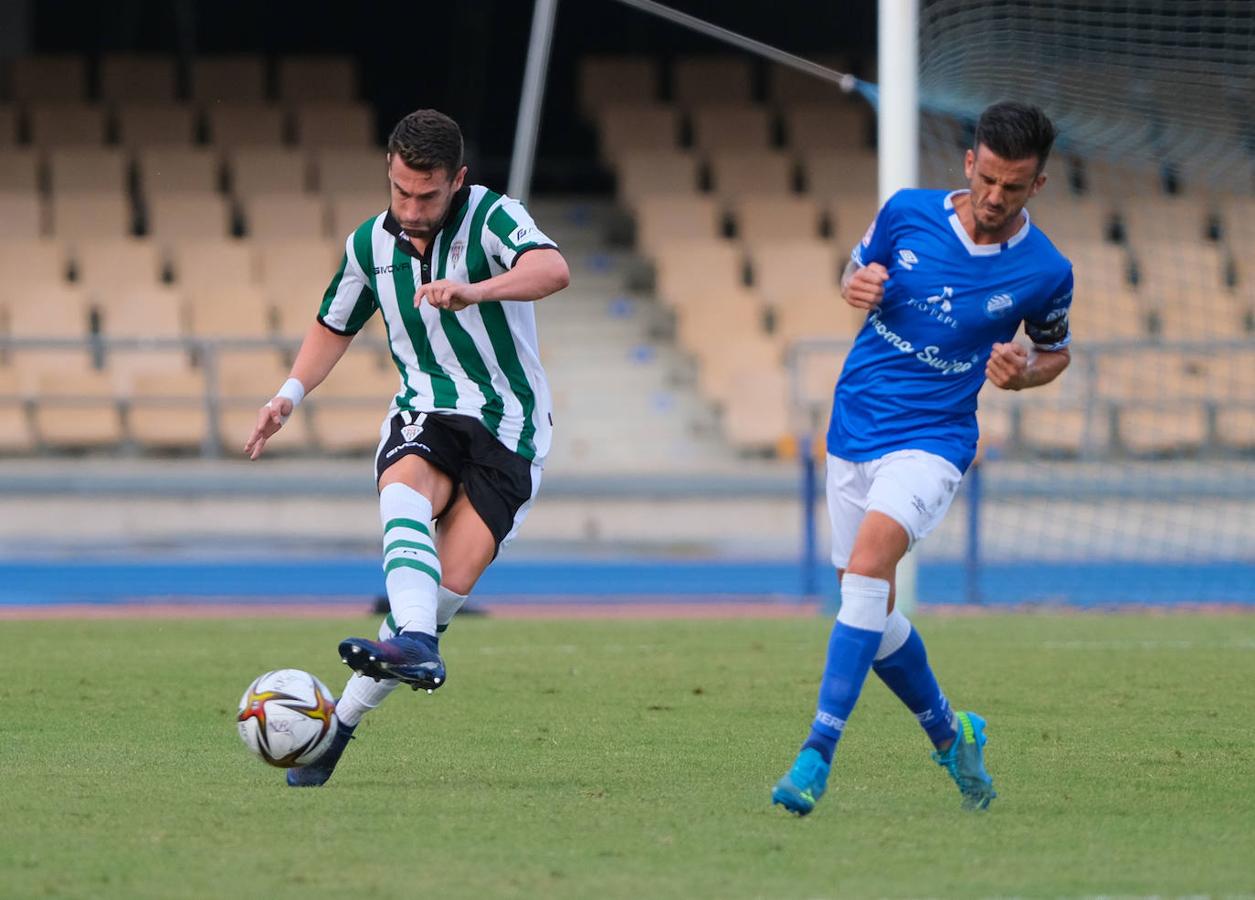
x=181, y=215
x=1163, y=429
x=785, y=269
x=751, y=172
x=640, y=128
x=91, y=215
x=756, y=416
x=19, y=169
x=1164, y=218
x=246, y=380
x=272, y=216
x=711, y=79
x=1071, y=222
x=727, y=126
x=86, y=169
x=816, y=313
x=23, y=215
x=330, y=124
x=825, y=127
x=349, y=210
x=340, y=170
x=834, y=174
x=228, y=311
x=350, y=405
x=146, y=124
x=1200, y=314
x=1235, y=427
x=173, y=169
x=16, y=433
x=204, y=263
x=317, y=78
x=117, y=263
x=232, y=79
x=707, y=318
x=134, y=77
x=49, y=77
x=607, y=80
x=717, y=362
x=695, y=266
x=233, y=125
x=33, y=261
x=288, y=261
x=644, y=173
x=775, y=217
x=267, y=170
x=850, y=215
x=56, y=124
x=662, y=219
x=76, y=409
x=141, y=313
x=167, y=411
x=1106, y=313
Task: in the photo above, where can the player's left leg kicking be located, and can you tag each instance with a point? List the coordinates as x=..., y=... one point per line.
x=878, y=510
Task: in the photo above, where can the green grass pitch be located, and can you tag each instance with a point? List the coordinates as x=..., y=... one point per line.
x=630, y=759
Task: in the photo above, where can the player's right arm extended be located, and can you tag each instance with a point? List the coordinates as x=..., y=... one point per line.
x=863, y=287
x=320, y=351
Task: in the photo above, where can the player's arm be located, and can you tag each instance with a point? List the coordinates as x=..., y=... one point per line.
x=536, y=274
x=1014, y=367
x=320, y=351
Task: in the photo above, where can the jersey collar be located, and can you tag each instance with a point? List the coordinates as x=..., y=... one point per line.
x=974, y=248
x=393, y=227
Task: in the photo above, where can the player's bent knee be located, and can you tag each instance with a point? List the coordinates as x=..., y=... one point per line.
x=422, y=476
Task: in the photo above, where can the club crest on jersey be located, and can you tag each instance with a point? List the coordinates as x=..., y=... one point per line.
x=456, y=250
x=907, y=259
x=997, y=305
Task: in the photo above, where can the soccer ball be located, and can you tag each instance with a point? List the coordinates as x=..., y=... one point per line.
x=287, y=717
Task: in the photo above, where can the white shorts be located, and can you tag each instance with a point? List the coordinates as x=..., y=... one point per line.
x=912, y=487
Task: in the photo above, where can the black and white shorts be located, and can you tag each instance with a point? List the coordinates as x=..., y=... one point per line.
x=500, y=484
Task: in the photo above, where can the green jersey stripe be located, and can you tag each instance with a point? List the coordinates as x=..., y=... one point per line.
x=460, y=340
x=333, y=288
x=444, y=392
x=406, y=523
x=364, y=253
x=412, y=564
x=502, y=224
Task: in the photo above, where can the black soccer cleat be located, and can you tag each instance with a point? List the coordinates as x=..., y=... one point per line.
x=318, y=772
x=411, y=657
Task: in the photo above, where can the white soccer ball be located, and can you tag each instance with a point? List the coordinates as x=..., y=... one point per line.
x=287, y=717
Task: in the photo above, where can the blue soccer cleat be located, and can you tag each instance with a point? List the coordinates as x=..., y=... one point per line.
x=965, y=761
x=800, y=790
x=411, y=657
x=317, y=773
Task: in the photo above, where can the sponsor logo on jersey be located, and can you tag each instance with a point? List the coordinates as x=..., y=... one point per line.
x=907, y=259
x=399, y=267
x=999, y=304
x=523, y=234
x=929, y=356
x=937, y=307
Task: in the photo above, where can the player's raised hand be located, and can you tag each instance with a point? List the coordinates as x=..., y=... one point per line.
x=270, y=418
x=1007, y=365
x=446, y=294
x=866, y=287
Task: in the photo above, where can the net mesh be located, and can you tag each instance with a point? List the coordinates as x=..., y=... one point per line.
x=1131, y=478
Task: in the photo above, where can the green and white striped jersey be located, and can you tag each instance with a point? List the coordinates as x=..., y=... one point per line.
x=483, y=361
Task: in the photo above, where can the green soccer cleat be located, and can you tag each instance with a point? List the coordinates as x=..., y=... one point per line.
x=965, y=761
x=800, y=790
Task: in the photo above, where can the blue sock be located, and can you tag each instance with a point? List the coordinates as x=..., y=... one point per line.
x=906, y=672
x=851, y=649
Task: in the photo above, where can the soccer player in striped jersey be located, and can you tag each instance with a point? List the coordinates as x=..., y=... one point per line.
x=947, y=277
x=452, y=268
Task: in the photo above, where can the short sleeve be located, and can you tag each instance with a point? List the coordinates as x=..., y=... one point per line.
x=510, y=232
x=349, y=301
x=877, y=243
x=1048, y=327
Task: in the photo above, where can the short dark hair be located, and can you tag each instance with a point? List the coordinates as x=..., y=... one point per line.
x=1016, y=131
x=427, y=140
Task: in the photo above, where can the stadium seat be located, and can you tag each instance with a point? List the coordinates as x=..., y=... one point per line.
x=695, y=266
x=30, y=262
x=1102, y=268
x=165, y=169
x=8, y=126
x=167, y=411
x=228, y=311
x=711, y=79
x=233, y=125
x=1199, y=314
x=1103, y=178
x=749, y=172
x=815, y=313
x=19, y=169
x=340, y=170
x=640, y=128
x=1071, y=221
x=286, y=261
x=756, y=416
x=50, y=77
x=107, y=263
x=246, y=380
x=1164, y=218
x=317, y=77
x=1106, y=312
x=76, y=409
x=706, y=318
x=662, y=219
x=88, y=169
x=790, y=268
x=850, y=215
x=1235, y=427
x=775, y=217
x=606, y=80
x=132, y=77
x=350, y=406
x=832, y=174
x=267, y=170
x=188, y=214
x=213, y=262
x=142, y=125
x=655, y=172
x=23, y=215
x=16, y=433
x=59, y=313
x=91, y=215
x=144, y=314
x=726, y=126
x=827, y=127
x=326, y=124
x=271, y=216
x=1143, y=376
x=1060, y=419
x=57, y=124
x=231, y=79
x=350, y=210
x=1165, y=268
x=1163, y=429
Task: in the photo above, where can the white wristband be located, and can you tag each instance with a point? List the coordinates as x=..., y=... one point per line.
x=292, y=390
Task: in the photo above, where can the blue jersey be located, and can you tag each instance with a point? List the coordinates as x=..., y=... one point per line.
x=911, y=379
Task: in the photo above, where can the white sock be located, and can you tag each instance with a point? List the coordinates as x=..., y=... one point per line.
x=362, y=694
x=897, y=630
x=411, y=567
x=447, y=606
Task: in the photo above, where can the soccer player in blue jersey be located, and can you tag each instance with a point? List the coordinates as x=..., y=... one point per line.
x=946, y=277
